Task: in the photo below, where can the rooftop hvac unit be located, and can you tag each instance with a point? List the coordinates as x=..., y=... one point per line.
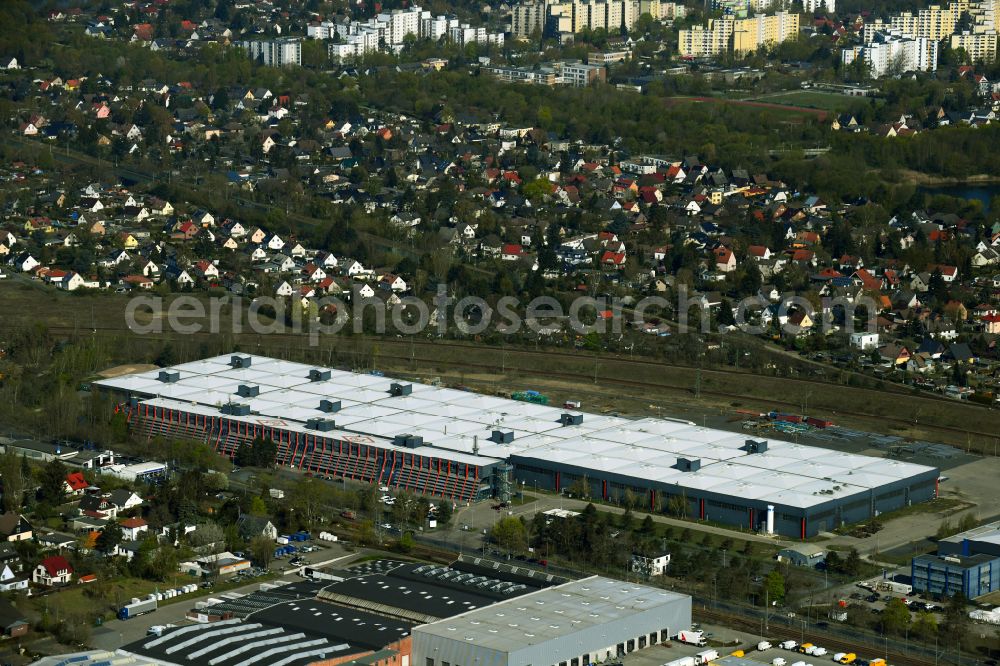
x=238, y=361
x=329, y=406
x=755, y=446
x=169, y=376
x=688, y=465
x=236, y=409
x=318, y=375
x=398, y=389
x=248, y=391
x=502, y=436
x=568, y=419
x=323, y=425
x=408, y=441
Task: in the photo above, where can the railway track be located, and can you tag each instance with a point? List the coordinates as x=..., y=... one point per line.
x=405, y=350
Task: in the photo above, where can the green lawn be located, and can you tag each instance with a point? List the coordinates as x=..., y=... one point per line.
x=93, y=600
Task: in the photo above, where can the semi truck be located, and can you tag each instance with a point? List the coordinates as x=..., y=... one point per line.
x=137, y=607
x=696, y=638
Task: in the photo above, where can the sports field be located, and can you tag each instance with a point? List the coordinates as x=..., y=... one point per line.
x=810, y=99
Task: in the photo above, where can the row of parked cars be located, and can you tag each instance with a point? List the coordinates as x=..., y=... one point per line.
x=817, y=651
x=911, y=602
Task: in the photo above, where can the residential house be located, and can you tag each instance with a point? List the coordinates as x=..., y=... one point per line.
x=123, y=499
x=254, y=526
x=391, y=282
x=511, y=252
x=75, y=484
x=13, y=622
x=15, y=527
x=98, y=507
x=11, y=580
x=894, y=354
x=54, y=570
x=864, y=341
x=725, y=260
x=26, y=263
x=132, y=528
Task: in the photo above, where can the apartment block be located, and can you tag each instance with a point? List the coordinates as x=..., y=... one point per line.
x=764, y=31
x=526, y=18
x=892, y=54
x=390, y=29
x=706, y=41
x=740, y=35
x=981, y=47
x=579, y=15
x=283, y=52
x=808, y=6
x=737, y=8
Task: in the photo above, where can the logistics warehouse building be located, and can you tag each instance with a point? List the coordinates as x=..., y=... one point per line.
x=469, y=447
x=582, y=622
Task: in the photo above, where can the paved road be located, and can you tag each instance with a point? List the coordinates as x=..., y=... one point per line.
x=482, y=515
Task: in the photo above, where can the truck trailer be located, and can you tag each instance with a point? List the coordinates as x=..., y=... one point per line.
x=696, y=638
x=137, y=607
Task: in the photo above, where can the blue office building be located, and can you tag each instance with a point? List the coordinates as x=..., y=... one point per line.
x=973, y=575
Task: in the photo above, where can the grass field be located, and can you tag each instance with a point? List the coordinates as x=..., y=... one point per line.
x=810, y=99
x=777, y=108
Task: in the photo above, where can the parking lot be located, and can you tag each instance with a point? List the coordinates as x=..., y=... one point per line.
x=658, y=655
x=661, y=654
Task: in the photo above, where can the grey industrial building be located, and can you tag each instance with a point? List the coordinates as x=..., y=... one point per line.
x=466, y=446
x=984, y=539
x=582, y=622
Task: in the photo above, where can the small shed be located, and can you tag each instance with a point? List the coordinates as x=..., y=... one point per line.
x=802, y=555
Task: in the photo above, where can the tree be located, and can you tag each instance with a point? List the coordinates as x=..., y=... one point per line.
x=510, y=534
x=109, y=538
x=852, y=564
x=956, y=619
x=626, y=519
x=206, y=534
x=677, y=505
x=15, y=482
x=163, y=564
x=648, y=526
x=53, y=482
x=444, y=512
x=895, y=617
x=833, y=562
x=257, y=506
x=775, y=585
x=406, y=542
x=580, y=488
x=925, y=626
x=261, y=550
